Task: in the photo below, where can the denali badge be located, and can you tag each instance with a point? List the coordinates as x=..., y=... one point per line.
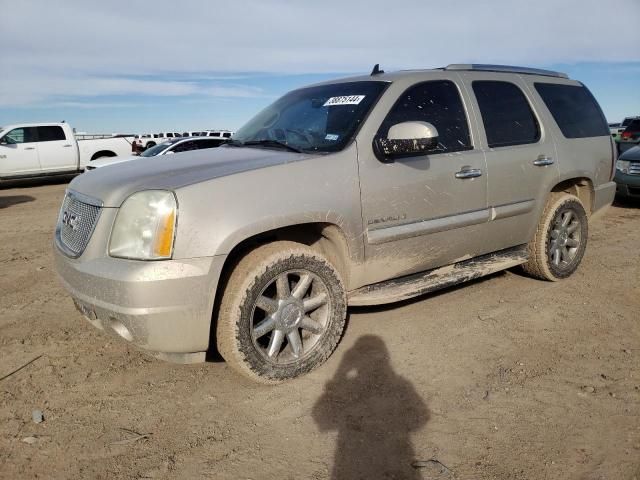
x=70, y=220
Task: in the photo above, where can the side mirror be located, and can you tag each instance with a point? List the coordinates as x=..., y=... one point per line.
x=170, y=151
x=3, y=141
x=406, y=139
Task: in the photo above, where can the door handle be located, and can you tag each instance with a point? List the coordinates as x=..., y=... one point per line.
x=29, y=148
x=468, y=172
x=68, y=145
x=543, y=161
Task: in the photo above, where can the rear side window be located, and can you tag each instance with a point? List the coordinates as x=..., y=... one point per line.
x=574, y=109
x=210, y=143
x=50, y=134
x=634, y=126
x=185, y=147
x=437, y=102
x=506, y=114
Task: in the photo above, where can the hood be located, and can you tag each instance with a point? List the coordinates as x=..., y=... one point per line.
x=101, y=162
x=113, y=184
x=633, y=154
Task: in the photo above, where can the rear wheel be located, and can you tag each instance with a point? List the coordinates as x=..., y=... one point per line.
x=282, y=312
x=560, y=240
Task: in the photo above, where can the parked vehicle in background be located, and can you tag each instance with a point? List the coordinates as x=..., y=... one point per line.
x=147, y=140
x=630, y=136
x=177, y=145
x=618, y=128
x=628, y=174
x=36, y=149
x=615, y=128
x=219, y=133
x=360, y=191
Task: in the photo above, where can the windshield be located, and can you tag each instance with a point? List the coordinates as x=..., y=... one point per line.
x=314, y=119
x=156, y=149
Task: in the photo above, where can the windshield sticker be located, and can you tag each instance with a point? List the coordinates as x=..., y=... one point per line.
x=332, y=136
x=344, y=100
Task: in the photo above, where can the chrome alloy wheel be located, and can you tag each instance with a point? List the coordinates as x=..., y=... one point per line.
x=290, y=316
x=565, y=237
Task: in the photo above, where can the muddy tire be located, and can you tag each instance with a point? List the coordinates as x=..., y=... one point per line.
x=557, y=248
x=282, y=312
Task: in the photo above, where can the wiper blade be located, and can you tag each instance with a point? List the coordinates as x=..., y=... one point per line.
x=272, y=143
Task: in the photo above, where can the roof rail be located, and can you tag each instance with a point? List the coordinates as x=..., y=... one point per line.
x=479, y=67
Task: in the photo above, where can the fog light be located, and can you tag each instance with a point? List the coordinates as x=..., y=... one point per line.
x=118, y=327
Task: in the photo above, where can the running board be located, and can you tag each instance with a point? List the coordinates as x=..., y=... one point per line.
x=403, y=288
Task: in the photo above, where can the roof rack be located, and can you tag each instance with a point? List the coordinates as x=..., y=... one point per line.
x=479, y=67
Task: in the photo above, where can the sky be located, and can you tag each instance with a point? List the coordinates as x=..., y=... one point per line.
x=133, y=66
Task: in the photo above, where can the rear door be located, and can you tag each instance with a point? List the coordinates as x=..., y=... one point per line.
x=19, y=152
x=55, y=150
x=520, y=152
x=419, y=211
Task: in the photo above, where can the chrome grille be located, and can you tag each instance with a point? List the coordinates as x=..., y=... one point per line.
x=634, y=168
x=78, y=217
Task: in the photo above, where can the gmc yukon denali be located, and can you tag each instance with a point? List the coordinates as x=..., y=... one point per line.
x=359, y=191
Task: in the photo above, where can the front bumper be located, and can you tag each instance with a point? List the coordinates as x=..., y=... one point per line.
x=161, y=306
x=627, y=185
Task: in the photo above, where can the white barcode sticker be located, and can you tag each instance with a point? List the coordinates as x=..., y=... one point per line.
x=344, y=100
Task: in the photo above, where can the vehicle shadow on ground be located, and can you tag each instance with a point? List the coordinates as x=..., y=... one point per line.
x=10, y=200
x=36, y=182
x=374, y=411
x=626, y=203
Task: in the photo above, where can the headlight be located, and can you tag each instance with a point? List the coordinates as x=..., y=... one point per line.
x=623, y=165
x=145, y=226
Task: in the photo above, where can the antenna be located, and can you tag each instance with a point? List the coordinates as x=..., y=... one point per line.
x=376, y=70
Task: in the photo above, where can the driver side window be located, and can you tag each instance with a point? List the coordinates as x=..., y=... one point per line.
x=437, y=102
x=20, y=135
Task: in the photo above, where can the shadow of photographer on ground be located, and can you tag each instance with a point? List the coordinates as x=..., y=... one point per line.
x=374, y=411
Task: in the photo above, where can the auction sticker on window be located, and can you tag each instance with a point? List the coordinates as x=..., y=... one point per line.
x=344, y=100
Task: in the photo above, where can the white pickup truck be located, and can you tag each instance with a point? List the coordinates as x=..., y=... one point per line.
x=38, y=149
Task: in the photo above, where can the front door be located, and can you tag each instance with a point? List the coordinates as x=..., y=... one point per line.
x=429, y=210
x=19, y=152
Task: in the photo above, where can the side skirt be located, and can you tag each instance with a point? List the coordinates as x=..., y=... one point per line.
x=403, y=288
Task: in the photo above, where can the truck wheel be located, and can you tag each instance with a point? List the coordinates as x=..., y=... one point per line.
x=282, y=312
x=560, y=239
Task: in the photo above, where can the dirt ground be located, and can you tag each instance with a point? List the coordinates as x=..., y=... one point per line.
x=506, y=378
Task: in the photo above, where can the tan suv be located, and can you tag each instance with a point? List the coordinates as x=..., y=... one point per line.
x=358, y=191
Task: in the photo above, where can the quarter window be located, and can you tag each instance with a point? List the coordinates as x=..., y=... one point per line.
x=437, y=102
x=506, y=114
x=574, y=109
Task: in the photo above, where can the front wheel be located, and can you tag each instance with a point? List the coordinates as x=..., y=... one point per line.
x=560, y=240
x=282, y=312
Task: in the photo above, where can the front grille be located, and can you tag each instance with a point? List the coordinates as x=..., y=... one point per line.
x=78, y=217
x=634, y=168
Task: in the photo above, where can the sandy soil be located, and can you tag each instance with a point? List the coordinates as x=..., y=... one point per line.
x=506, y=378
